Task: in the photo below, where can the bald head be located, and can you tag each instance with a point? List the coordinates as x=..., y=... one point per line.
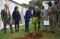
x=36, y=8
x=6, y=6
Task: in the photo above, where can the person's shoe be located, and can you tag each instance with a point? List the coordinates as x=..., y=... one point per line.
x=52, y=31
x=4, y=32
x=11, y=31
x=16, y=30
x=26, y=30
x=44, y=30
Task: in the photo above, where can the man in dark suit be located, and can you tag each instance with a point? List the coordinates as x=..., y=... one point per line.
x=5, y=15
x=16, y=18
x=27, y=17
x=36, y=13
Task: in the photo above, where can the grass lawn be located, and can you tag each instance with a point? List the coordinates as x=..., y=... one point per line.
x=47, y=35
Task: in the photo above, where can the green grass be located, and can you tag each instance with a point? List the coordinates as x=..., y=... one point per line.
x=21, y=32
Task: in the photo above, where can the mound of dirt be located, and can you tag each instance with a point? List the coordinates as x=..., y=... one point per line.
x=31, y=36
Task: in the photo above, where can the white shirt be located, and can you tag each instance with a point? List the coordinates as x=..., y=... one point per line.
x=7, y=13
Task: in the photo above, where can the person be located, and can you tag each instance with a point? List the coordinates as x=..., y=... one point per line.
x=52, y=16
x=27, y=17
x=36, y=13
x=45, y=18
x=55, y=8
x=5, y=15
x=16, y=18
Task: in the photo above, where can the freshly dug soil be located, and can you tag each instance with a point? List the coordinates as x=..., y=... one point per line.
x=31, y=36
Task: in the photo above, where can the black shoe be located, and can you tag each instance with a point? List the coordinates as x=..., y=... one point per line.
x=11, y=31
x=52, y=31
x=4, y=32
x=44, y=30
x=38, y=30
x=26, y=30
x=15, y=30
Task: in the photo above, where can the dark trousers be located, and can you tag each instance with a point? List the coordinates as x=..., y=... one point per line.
x=38, y=24
x=26, y=25
x=16, y=25
x=7, y=21
x=52, y=24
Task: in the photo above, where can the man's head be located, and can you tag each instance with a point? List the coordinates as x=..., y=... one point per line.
x=56, y=3
x=16, y=8
x=36, y=8
x=6, y=6
x=50, y=4
x=30, y=8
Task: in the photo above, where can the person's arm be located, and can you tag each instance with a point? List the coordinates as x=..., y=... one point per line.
x=19, y=16
x=10, y=16
x=38, y=14
x=13, y=16
x=25, y=14
x=42, y=13
x=31, y=15
x=2, y=15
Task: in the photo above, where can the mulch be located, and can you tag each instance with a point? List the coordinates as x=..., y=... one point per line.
x=31, y=36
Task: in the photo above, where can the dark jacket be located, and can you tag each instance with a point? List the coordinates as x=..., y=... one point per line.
x=36, y=14
x=28, y=15
x=16, y=16
x=4, y=16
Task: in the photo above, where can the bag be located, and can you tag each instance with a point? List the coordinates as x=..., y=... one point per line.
x=46, y=22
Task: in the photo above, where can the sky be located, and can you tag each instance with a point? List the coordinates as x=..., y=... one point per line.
x=22, y=1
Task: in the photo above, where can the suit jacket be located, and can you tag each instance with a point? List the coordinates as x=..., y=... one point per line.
x=36, y=14
x=28, y=15
x=4, y=16
x=16, y=16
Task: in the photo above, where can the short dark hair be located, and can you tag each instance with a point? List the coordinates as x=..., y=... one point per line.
x=42, y=7
x=50, y=3
x=55, y=2
x=16, y=7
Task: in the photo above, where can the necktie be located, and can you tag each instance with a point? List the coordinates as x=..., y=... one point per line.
x=6, y=12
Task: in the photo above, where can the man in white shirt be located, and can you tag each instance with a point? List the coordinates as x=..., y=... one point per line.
x=5, y=15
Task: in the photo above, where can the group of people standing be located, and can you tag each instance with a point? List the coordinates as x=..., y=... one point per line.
x=49, y=17
x=6, y=18
x=48, y=14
